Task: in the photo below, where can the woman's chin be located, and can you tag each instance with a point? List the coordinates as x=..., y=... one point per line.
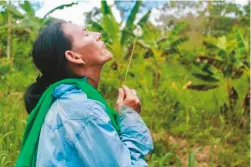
x=107, y=56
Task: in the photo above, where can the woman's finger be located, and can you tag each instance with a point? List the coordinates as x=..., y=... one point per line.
x=134, y=92
x=120, y=100
x=121, y=96
x=136, y=96
x=128, y=92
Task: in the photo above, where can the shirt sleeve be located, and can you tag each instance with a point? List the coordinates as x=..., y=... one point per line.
x=99, y=143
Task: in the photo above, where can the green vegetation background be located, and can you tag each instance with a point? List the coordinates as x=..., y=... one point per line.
x=192, y=74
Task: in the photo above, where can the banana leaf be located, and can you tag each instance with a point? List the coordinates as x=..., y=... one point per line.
x=204, y=77
x=129, y=23
x=202, y=87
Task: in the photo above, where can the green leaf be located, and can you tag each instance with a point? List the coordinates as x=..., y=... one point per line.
x=220, y=51
x=3, y=3
x=210, y=46
x=169, y=51
x=212, y=69
x=202, y=87
x=27, y=7
x=96, y=26
x=179, y=41
x=222, y=43
x=111, y=27
x=192, y=161
x=132, y=15
x=176, y=30
x=148, y=36
x=129, y=23
x=144, y=19
x=238, y=64
x=60, y=8
x=167, y=157
x=109, y=24
x=14, y=11
x=143, y=44
x=1, y=19
x=170, y=48
x=203, y=77
x=240, y=41
x=105, y=9
x=167, y=42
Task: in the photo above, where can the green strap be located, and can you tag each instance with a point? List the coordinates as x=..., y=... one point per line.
x=27, y=156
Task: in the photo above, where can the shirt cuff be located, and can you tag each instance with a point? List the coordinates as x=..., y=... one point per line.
x=130, y=113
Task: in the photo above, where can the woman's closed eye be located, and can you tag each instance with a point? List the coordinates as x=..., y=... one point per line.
x=86, y=33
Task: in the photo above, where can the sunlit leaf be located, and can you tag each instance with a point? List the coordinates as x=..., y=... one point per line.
x=176, y=30
x=111, y=27
x=144, y=19
x=129, y=23
x=27, y=7
x=222, y=43
x=105, y=9
x=60, y=8
x=241, y=42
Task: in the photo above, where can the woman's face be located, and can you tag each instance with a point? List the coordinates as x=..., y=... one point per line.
x=87, y=45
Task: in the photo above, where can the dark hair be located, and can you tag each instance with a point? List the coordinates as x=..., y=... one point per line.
x=48, y=56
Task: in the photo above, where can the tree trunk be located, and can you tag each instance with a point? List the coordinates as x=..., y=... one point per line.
x=229, y=90
x=9, y=33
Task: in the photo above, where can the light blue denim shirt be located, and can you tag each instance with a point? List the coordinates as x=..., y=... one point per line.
x=77, y=132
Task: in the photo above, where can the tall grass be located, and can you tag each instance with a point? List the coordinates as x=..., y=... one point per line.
x=193, y=116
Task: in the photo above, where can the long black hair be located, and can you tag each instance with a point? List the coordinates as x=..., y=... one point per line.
x=48, y=55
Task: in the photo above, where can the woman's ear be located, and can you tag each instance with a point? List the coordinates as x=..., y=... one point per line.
x=74, y=57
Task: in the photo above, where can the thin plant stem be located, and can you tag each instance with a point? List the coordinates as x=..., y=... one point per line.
x=130, y=60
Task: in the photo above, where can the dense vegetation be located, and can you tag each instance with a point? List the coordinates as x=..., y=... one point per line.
x=192, y=74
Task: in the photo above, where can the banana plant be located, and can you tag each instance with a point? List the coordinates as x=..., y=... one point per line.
x=24, y=25
x=25, y=21
x=114, y=34
x=163, y=46
x=119, y=38
x=33, y=23
x=159, y=49
x=227, y=60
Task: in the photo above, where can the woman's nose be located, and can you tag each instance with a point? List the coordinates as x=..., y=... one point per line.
x=98, y=36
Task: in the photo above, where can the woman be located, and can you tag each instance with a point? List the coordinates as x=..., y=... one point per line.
x=71, y=124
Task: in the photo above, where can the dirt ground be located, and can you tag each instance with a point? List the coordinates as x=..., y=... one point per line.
x=182, y=146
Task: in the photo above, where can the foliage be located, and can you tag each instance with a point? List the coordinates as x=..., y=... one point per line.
x=192, y=77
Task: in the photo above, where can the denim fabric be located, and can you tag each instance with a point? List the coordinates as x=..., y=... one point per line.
x=77, y=132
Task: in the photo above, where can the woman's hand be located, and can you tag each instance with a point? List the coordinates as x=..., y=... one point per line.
x=129, y=98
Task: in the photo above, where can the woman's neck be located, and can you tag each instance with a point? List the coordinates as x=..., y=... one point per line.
x=93, y=75
x=91, y=72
